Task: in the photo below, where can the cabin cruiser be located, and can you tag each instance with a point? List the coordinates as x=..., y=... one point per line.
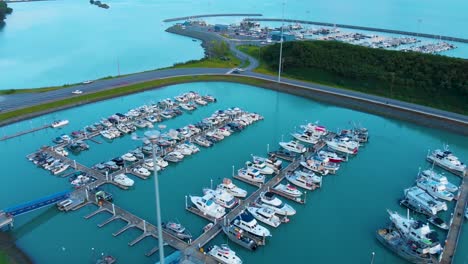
x=284, y=154
x=260, y=166
x=222, y=197
x=420, y=199
x=437, y=221
x=203, y=142
x=271, y=161
x=148, y=164
x=302, y=180
x=129, y=157
x=160, y=162
x=200, y=101
x=184, y=150
x=435, y=189
x=407, y=249
x=59, y=123
x=207, y=206
x=314, y=128
x=123, y=128
x=331, y=167
x=252, y=175
x=447, y=160
x=344, y=145
x=231, y=188
x=293, y=146
x=61, y=151
x=269, y=200
x=331, y=156
x=192, y=147
x=174, y=156
x=223, y=132
x=224, y=254
x=431, y=174
x=288, y=189
x=177, y=230
x=237, y=236
x=314, y=166
x=106, y=134
x=416, y=231
x=65, y=137
x=123, y=180
x=59, y=169
x=265, y=215
x=306, y=137
x=247, y=222
x=141, y=171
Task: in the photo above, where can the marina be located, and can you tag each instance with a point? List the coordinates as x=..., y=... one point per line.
x=123, y=199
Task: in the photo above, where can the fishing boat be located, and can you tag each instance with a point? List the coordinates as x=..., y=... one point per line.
x=59, y=123
x=177, y=229
x=269, y=200
x=421, y=199
x=260, y=166
x=272, y=161
x=306, y=137
x=222, y=197
x=435, y=189
x=129, y=157
x=123, y=180
x=437, y=221
x=265, y=215
x=416, y=231
x=302, y=180
x=252, y=175
x=237, y=236
x=231, y=188
x=344, y=145
x=224, y=254
x=207, y=206
x=314, y=166
x=293, y=146
x=445, y=159
x=142, y=171
x=431, y=174
x=408, y=250
x=247, y=222
x=288, y=189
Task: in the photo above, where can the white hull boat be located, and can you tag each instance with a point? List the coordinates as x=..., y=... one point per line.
x=435, y=189
x=252, y=175
x=231, y=188
x=221, y=197
x=288, y=189
x=123, y=180
x=293, y=146
x=247, y=222
x=265, y=215
x=224, y=255
x=269, y=200
x=431, y=174
x=262, y=167
x=207, y=206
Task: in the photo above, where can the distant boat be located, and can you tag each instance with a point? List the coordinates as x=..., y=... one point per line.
x=59, y=123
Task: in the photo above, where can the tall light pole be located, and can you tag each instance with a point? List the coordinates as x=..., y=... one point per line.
x=281, y=46
x=153, y=136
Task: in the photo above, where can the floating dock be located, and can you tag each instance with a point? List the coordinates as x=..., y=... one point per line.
x=24, y=132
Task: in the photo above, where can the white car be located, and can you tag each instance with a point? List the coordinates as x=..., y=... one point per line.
x=77, y=92
x=87, y=82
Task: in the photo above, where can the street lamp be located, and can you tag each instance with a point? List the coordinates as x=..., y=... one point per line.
x=152, y=136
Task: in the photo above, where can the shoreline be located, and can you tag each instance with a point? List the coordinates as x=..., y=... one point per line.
x=14, y=254
x=361, y=104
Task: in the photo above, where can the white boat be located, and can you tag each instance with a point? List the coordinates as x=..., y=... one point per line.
x=148, y=164
x=192, y=147
x=160, y=162
x=77, y=92
x=314, y=166
x=306, y=137
x=252, y=175
x=247, y=222
x=271, y=162
x=224, y=132
x=288, y=189
x=59, y=123
x=61, y=151
x=207, y=206
x=435, y=189
x=203, y=142
x=314, y=128
x=129, y=157
x=447, y=160
x=431, y=174
x=231, y=188
x=59, y=169
x=222, y=197
x=200, y=101
x=141, y=171
x=302, y=180
x=106, y=134
x=123, y=180
x=224, y=254
x=330, y=156
x=416, y=231
x=176, y=154
x=80, y=180
x=265, y=215
x=421, y=199
x=269, y=200
x=261, y=166
x=344, y=145
x=293, y=146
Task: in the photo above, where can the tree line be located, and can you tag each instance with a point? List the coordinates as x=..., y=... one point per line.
x=433, y=80
x=4, y=10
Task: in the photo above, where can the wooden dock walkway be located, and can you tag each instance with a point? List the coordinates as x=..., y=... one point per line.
x=456, y=225
x=24, y=132
x=208, y=15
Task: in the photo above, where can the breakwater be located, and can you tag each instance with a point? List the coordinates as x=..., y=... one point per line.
x=208, y=15
x=392, y=31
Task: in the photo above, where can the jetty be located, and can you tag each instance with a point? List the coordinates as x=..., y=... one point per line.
x=6, y=137
x=456, y=225
x=209, y=15
x=373, y=29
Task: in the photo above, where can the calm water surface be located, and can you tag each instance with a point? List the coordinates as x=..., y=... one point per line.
x=337, y=225
x=69, y=41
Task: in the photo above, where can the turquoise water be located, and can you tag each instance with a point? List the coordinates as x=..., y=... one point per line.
x=58, y=42
x=337, y=224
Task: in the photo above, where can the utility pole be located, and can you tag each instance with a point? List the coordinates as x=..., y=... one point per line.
x=281, y=46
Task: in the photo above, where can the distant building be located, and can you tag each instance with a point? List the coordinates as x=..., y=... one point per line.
x=221, y=28
x=276, y=36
